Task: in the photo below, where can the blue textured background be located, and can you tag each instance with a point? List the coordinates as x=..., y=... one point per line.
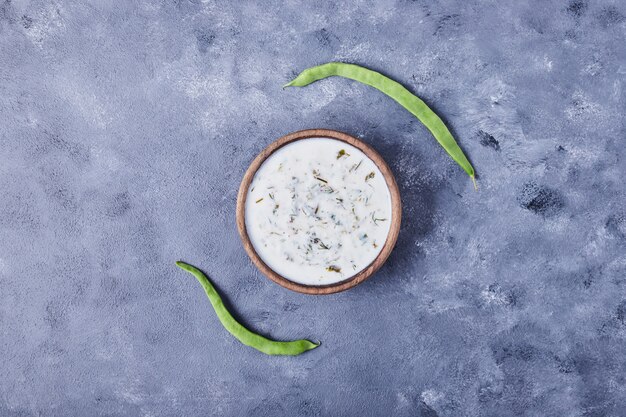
x=125, y=128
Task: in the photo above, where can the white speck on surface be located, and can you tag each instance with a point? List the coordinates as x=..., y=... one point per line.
x=581, y=106
x=431, y=397
x=48, y=21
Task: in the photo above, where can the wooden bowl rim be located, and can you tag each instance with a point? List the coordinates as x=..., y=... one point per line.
x=396, y=212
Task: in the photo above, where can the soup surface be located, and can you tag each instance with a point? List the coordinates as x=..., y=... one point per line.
x=318, y=211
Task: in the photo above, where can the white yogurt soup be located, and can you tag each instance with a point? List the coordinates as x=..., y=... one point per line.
x=318, y=211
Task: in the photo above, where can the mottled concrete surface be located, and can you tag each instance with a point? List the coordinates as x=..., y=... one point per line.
x=125, y=128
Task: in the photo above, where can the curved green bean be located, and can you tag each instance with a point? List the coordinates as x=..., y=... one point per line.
x=397, y=92
x=245, y=336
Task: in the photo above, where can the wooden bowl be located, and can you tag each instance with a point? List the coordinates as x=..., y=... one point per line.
x=394, y=229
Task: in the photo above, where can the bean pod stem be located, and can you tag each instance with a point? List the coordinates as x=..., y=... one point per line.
x=245, y=336
x=397, y=92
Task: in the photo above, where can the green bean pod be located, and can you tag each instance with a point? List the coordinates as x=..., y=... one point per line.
x=397, y=92
x=245, y=336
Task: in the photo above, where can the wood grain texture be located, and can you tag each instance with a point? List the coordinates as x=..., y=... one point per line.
x=396, y=212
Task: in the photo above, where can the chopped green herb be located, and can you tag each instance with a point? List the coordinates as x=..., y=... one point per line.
x=318, y=241
x=376, y=220
x=259, y=200
x=333, y=268
x=342, y=153
x=369, y=176
x=356, y=167
x=322, y=180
